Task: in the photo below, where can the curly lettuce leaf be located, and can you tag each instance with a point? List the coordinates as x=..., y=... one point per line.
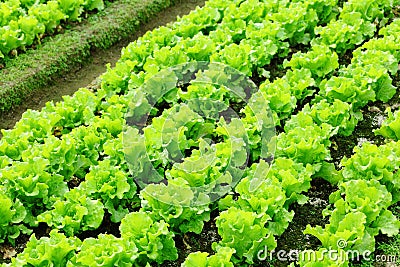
x=153, y=239
x=55, y=250
x=105, y=250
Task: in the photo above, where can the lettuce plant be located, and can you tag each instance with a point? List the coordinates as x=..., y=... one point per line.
x=280, y=98
x=112, y=186
x=391, y=126
x=371, y=162
x=339, y=114
x=343, y=34
x=13, y=214
x=202, y=259
x=177, y=205
x=244, y=231
x=360, y=213
x=298, y=21
x=369, y=9
x=307, y=144
x=33, y=185
x=320, y=60
x=55, y=250
x=105, y=250
x=74, y=214
x=153, y=239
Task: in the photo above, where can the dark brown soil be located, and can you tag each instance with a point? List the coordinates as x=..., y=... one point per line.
x=192, y=242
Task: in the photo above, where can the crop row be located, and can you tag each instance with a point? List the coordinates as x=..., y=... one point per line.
x=360, y=206
x=82, y=139
x=22, y=22
x=306, y=140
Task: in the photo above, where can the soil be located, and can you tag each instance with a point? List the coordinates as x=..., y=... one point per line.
x=191, y=242
x=88, y=73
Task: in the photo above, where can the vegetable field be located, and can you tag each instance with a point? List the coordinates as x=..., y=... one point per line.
x=205, y=140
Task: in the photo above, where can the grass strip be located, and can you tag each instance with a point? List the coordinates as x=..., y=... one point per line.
x=64, y=52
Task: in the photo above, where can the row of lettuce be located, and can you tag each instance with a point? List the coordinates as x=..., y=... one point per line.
x=357, y=217
x=23, y=22
x=368, y=182
x=81, y=138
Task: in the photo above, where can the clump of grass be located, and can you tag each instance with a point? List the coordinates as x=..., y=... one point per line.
x=392, y=247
